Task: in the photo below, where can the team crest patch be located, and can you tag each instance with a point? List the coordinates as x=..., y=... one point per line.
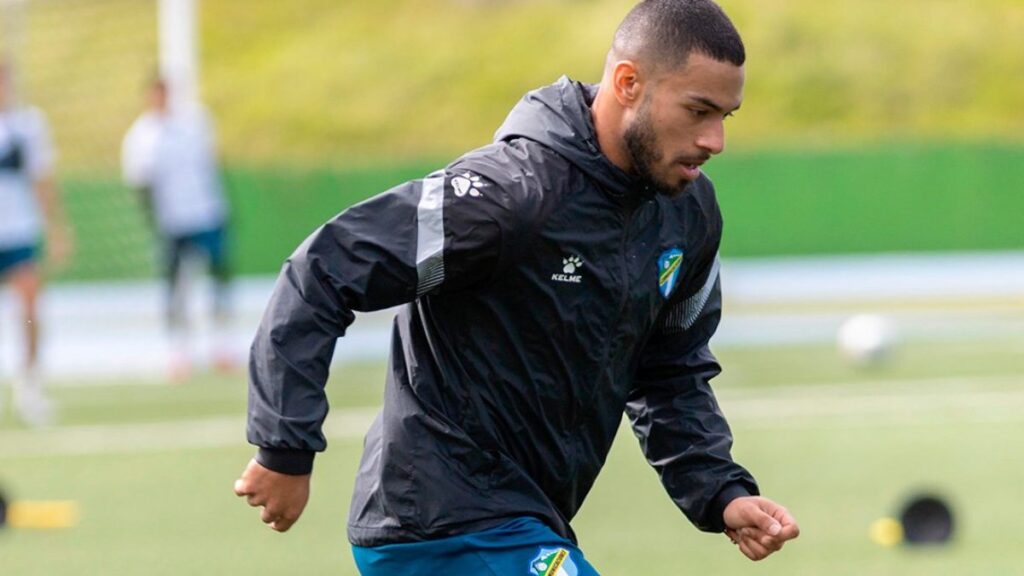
x=669, y=265
x=553, y=562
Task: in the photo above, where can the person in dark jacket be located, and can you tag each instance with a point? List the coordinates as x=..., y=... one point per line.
x=548, y=283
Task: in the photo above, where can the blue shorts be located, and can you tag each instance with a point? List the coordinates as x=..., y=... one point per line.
x=11, y=257
x=522, y=547
x=210, y=243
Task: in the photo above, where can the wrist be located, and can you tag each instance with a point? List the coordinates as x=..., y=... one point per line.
x=286, y=460
x=721, y=501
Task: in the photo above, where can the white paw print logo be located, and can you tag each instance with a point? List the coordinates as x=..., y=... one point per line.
x=467, y=183
x=571, y=263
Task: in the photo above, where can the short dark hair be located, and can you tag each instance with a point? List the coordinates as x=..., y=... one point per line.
x=665, y=32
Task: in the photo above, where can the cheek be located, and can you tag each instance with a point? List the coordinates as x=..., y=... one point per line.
x=673, y=130
x=672, y=141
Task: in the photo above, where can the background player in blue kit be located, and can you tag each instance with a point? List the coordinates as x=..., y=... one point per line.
x=30, y=209
x=170, y=156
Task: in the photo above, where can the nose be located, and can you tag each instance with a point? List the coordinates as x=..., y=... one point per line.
x=712, y=139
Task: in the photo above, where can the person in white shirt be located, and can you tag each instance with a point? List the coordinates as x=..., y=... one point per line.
x=29, y=208
x=169, y=156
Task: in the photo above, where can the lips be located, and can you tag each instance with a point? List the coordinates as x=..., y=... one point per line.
x=691, y=169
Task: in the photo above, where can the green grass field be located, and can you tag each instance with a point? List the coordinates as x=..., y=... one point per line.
x=152, y=467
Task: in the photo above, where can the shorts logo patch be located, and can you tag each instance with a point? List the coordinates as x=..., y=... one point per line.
x=553, y=562
x=669, y=265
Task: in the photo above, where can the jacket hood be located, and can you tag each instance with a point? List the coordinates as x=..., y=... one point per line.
x=558, y=116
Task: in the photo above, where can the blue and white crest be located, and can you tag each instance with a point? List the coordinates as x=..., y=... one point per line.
x=669, y=265
x=553, y=562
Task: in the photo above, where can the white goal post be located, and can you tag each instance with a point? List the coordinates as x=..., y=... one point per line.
x=179, y=48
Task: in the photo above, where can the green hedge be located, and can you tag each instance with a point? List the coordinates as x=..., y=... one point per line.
x=907, y=198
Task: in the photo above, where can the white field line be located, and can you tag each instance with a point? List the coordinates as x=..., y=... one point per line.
x=160, y=436
x=943, y=402
x=819, y=411
x=945, y=385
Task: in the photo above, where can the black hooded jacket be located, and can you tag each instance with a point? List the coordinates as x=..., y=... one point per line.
x=544, y=293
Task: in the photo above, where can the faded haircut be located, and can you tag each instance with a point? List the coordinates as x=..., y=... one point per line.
x=663, y=33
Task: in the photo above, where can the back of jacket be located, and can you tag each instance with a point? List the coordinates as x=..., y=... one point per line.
x=548, y=293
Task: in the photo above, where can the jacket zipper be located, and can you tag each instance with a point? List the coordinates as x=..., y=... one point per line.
x=624, y=250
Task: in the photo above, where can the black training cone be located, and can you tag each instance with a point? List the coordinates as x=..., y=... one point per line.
x=927, y=519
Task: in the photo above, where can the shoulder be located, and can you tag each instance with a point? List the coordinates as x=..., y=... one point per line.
x=195, y=114
x=704, y=198
x=147, y=121
x=29, y=120
x=698, y=208
x=526, y=172
x=697, y=213
x=514, y=162
x=143, y=129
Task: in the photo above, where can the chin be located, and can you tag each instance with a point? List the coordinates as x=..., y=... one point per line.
x=672, y=190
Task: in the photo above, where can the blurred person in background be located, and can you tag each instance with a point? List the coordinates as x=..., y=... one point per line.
x=169, y=157
x=30, y=208
x=551, y=281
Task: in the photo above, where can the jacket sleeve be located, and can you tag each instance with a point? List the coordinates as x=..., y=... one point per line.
x=444, y=232
x=675, y=415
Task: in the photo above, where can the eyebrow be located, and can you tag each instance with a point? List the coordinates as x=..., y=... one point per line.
x=711, y=104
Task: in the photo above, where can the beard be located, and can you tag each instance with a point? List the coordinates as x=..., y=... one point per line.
x=642, y=145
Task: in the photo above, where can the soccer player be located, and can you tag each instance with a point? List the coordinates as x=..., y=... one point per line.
x=29, y=202
x=549, y=282
x=169, y=156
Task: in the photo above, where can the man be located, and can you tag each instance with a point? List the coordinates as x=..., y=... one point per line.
x=552, y=280
x=28, y=200
x=169, y=156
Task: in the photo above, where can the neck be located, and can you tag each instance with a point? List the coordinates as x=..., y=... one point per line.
x=607, y=118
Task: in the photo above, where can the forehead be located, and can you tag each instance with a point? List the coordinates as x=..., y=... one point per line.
x=705, y=77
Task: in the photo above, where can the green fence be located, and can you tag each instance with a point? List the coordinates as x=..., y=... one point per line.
x=908, y=198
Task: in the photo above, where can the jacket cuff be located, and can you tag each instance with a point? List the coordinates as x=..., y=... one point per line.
x=724, y=497
x=286, y=461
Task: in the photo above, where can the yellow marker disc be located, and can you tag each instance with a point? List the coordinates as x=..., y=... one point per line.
x=886, y=532
x=43, y=514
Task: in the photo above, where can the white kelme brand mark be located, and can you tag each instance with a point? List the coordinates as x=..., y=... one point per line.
x=467, y=183
x=570, y=264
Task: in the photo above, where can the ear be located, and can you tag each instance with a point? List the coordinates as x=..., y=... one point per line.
x=627, y=83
